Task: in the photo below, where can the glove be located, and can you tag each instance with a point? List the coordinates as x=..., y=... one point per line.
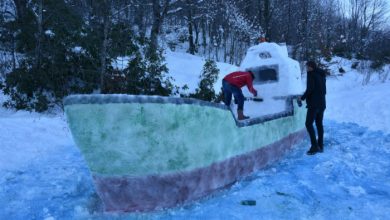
x=299, y=101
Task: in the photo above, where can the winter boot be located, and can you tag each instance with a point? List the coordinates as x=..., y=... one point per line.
x=241, y=116
x=320, y=145
x=320, y=148
x=313, y=150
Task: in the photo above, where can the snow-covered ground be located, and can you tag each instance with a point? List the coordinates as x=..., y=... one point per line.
x=349, y=101
x=43, y=174
x=350, y=180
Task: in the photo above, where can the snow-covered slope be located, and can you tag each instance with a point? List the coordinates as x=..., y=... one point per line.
x=186, y=69
x=367, y=106
x=349, y=101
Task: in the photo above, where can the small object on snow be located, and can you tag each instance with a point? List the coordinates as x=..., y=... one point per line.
x=248, y=202
x=341, y=70
x=281, y=193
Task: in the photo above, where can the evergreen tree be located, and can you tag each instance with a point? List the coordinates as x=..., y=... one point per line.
x=63, y=56
x=208, y=78
x=54, y=65
x=145, y=72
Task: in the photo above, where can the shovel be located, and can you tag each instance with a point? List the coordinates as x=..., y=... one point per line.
x=255, y=99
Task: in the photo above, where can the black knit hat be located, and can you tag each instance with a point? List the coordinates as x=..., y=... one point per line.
x=311, y=64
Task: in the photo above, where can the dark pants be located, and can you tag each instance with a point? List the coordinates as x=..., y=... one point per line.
x=228, y=91
x=316, y=115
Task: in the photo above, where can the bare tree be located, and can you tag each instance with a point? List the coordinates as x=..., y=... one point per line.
x=366, y=17
x=160, y=9
x=190, y=6
x=38, y=49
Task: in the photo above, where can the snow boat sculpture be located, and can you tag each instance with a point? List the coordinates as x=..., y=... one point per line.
x=150, y=152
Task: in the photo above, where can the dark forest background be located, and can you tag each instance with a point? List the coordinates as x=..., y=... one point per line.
x=53, y=48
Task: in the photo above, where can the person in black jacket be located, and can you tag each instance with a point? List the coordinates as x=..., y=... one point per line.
x=316, y=104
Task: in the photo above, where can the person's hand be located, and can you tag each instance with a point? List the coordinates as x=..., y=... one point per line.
x=299, y=101
x=255, y=93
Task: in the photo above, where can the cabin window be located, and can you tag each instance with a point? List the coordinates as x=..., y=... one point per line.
x=265, y=55
x=265, y=74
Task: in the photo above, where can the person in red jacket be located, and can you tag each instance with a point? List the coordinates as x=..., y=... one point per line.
x=232, y=84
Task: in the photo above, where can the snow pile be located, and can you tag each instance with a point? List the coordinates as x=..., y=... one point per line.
x=50, y=33
x=78, y=50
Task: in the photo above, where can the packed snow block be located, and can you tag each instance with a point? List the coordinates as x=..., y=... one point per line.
x=150, y=152
x=276, y=74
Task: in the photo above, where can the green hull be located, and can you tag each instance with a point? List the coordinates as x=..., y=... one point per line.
x=139, y=136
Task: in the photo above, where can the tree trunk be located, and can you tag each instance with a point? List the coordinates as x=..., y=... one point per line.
x=287, y=39
x=103, y=53
x=13, y=51
x=232, y=54
x=21, y=8
x=191, y=48
x=267, y=18
x=224, y=48
x=158, y=18
x=196, y=28
x=210, y=46
x=204, y=38
x=139, y=20
x=38, y=49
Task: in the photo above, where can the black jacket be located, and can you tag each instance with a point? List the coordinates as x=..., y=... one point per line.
x=315, y=89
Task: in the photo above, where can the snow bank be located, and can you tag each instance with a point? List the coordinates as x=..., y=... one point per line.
x=24, y=137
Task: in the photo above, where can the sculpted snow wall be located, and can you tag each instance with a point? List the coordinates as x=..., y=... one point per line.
x=273, y=56
x=135, y=145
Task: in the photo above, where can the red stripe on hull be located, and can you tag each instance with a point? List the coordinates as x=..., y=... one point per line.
x=152, y=192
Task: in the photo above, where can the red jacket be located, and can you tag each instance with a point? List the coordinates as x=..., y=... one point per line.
x=241, y=79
